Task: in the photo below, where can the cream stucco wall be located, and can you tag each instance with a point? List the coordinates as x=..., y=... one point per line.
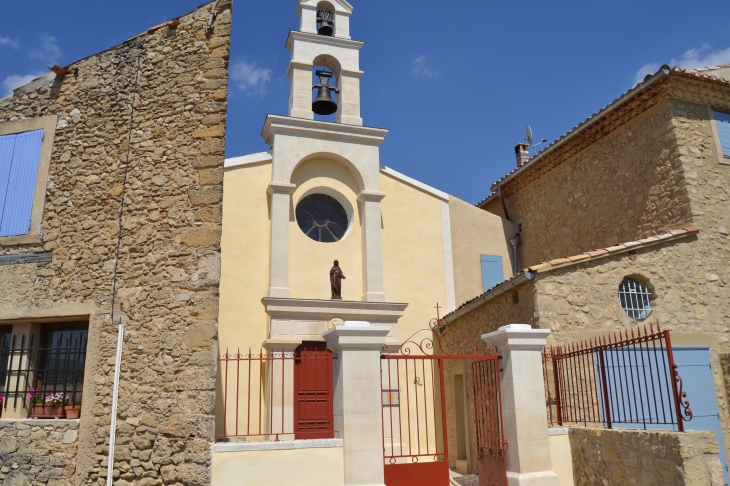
x=310, y=261
x=303, y=467
x=244, y=256
x=561, y=457
x=413, y=256
x=475, y=232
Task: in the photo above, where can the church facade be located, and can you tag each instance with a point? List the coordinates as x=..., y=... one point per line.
x=322, y=194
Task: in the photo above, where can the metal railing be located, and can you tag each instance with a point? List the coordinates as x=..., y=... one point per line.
x=43, y=378
x=277, y=395
x=624, y=380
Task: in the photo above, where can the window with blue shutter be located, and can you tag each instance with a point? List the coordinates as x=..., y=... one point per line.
x=492, y=271
x=723, y=127
x=19, y=158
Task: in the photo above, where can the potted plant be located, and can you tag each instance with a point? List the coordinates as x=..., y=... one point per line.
x=72, y=409
x=37, y=402
x=54, y=404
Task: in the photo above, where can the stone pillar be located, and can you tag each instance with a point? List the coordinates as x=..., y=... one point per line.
x=523, y=402
x=357, y=399
x=279, y=264
x=372, y=246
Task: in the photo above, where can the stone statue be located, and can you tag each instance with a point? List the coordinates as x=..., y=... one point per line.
x=336, y=277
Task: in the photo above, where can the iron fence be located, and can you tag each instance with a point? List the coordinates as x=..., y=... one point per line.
x=624, y=380
x=46, y=377
x=277, y=395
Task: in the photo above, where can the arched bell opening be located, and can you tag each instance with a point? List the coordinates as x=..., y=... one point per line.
x=325, y=19
x=325, y=87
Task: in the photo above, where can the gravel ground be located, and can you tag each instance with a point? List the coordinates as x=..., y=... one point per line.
x=468, y=480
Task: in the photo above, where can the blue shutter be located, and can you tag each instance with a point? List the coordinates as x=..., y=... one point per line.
x=21, y=185
x=7, y=144
x=492, y=271
x=723, y=126
x=693, y=364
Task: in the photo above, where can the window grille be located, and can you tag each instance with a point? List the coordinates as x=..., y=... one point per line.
x=43, y=375
x=634, y=299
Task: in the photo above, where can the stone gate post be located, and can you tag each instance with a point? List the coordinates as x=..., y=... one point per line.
x=523, y=402
x=358, y=399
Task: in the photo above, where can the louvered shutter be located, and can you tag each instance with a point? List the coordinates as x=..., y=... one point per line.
x=7, y=144
x=723, y=126
x=18, y=204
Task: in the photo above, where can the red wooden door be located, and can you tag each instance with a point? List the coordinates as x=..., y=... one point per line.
x=313, y=409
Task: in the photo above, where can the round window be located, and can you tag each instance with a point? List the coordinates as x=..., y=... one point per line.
x=634, y=299
x=322, y=218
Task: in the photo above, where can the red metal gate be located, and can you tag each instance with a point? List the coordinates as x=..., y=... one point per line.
x=415, y=418
x=313, y=406
x=491, y=447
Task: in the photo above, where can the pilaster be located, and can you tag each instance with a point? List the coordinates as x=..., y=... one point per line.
x=372, y=245
x=279, y=264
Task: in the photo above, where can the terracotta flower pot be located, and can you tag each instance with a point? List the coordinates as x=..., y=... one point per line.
x=72, y=411
x=39, y=410
x=56, y=410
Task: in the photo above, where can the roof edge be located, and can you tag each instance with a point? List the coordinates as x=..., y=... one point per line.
x=559, y=263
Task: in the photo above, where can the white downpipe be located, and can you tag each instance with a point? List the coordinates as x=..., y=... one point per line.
x=115, y=397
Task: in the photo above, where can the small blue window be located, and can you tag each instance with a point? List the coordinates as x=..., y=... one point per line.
x=723, y=127
x=492, y=271
x=19, y=158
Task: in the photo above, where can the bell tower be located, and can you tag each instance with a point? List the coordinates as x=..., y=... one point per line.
x=322, y=46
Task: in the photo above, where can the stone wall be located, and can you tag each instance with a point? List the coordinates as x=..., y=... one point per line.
x=628, y=185
x=647, y=458
x=38, y=452
x=169, y=259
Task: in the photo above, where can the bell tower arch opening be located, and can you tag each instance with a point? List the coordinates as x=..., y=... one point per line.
x=326, y=85
x=325, y=19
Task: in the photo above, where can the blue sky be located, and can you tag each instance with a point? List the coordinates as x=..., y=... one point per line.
x=455, y=82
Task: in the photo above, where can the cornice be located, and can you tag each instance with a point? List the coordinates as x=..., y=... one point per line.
x=296, y=35
x=277, y=124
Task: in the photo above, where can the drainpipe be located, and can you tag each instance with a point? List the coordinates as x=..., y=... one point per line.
x=210, y=26
x=115, y=400
x=515, y=242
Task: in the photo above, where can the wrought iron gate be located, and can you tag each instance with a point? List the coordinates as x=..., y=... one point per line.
x=415, y=418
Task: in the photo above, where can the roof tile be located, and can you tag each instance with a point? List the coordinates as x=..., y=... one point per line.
x=558, y=261
x=629, y=244
x=578, y=258
x=678, y=232
x=691, y=229
x=535, y=268
x=596, y=253
x=614, y=249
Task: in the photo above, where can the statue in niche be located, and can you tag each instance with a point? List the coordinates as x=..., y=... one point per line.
x=336, y=277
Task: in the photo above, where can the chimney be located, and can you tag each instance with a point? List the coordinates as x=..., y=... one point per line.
x=522, y=152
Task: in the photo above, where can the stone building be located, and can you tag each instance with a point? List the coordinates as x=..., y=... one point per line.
x=111, y=177
x=652, y=170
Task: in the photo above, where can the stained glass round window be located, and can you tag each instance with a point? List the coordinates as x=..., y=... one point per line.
x=322, y=218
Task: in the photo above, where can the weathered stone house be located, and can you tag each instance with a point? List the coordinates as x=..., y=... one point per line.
x=116, y=170
x=651, y=163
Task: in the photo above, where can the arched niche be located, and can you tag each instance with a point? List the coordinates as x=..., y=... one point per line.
x=357, y=178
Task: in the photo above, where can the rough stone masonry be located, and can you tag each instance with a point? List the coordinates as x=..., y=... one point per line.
x=175, y=76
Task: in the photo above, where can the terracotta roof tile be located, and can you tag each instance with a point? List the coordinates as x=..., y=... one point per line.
x=664, y=236
x=678, y=232
x=691, y=229
x=648, y=240
x=578, y=258
x=558, y=261
x=629, y=244
x=614, y=249
x=535, y=268
x=596, y=253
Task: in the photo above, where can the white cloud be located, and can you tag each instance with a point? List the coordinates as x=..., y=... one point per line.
x=47, y=51
x=420, y=68
x=7, y=41
x=692, y=59
x=15, y=80
x=250, y=78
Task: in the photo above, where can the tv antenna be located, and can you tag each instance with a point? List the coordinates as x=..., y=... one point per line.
x=529, y=138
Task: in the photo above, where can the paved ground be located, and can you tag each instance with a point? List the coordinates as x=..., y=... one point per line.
x=468, y=480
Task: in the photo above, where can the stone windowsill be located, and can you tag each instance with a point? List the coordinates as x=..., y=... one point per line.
x=55, y=421
x=277, y=446
x=557, y=431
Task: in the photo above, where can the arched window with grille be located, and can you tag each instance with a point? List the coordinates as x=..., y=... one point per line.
x=634, y=298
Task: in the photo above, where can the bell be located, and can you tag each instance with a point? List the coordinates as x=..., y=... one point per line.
x=326, y=22
x=324, y=105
